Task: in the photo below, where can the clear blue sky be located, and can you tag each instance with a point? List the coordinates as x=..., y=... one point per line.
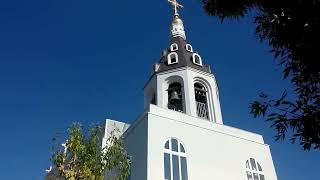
x=78, y=60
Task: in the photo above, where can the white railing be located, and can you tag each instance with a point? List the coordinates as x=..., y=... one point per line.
x=202, y=110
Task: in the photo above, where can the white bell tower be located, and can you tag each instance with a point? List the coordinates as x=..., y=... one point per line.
x=181, y=81
x=180, y=135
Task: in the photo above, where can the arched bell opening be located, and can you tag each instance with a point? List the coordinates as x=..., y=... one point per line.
x=175, y=100
x=201, y=101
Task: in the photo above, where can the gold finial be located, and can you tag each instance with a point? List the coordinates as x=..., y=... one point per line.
x=175, y=5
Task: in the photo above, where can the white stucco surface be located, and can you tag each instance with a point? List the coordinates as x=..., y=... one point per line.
x=112, y=126
x=214, y=151
x=136, y=144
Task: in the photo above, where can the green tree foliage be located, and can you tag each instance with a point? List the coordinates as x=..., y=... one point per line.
x=83, y=158
x=292, y=29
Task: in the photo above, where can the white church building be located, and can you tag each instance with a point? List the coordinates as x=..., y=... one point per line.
x=181, y=135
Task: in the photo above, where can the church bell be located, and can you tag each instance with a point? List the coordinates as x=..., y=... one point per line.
x=174, y=97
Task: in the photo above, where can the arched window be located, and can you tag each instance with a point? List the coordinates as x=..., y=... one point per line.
x=201, y=100
x=175, y=97
x=172, y=58
x=175, y=160
x=196, y=59
x=254, y=170
x=189, y=48
x=174, y=47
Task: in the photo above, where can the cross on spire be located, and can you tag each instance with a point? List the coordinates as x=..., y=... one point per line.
x=175, y=5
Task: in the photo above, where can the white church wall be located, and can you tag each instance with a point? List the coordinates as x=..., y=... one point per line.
x=109, y=126
x=203, y=123
x=116, y=128
x=136, y=144
x=213, y=152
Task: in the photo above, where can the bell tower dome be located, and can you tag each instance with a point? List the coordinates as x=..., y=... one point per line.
x=177, y=28
x=181, y=81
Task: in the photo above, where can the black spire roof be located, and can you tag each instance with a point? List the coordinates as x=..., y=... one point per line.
x=185, y=58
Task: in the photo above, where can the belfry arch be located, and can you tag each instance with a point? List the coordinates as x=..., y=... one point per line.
x=203, y=99
x=175, y=95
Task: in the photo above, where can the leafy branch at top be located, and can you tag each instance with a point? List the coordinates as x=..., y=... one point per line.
x=295, y=119
x=291, y=27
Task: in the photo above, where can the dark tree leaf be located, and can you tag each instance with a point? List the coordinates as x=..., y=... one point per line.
x=291, y=28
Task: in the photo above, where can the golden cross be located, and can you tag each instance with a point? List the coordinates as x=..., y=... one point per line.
x=176, y=5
